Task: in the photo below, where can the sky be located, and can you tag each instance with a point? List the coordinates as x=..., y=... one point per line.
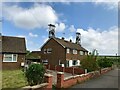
x=96, y=21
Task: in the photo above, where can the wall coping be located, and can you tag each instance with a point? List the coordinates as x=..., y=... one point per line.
x=82, y=75
x=76, y=76
x=60, y=72
x=35, y=86
x=49, y=75
x=69, y=77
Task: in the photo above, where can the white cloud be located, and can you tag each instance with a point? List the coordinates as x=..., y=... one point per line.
x=108, y=4
x=60, y=27
x=106, y=42
x=33, y=35
x=72, y=28
x=37, y=16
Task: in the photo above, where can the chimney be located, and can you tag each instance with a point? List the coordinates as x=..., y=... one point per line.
x=70, y=40
x=63, y=38
x=78, y=38
x=51, y=30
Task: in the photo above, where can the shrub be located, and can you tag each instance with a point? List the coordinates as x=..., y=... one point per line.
x=90, y=62
x=104, y=62
x=35, y=74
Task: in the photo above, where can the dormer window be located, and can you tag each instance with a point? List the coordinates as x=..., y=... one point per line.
x=74, y=51
x=68, y=50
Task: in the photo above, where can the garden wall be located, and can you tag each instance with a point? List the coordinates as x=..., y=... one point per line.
x=72, y=70
x=72, y=80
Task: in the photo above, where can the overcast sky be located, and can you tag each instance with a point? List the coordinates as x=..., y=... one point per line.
x=96, y=21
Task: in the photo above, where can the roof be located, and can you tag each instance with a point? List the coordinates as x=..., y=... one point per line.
x=34, y=55
x=12, y=44
x=68, y=44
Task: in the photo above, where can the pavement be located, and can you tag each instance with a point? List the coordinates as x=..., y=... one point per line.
x=54, y=73
x=107, y=80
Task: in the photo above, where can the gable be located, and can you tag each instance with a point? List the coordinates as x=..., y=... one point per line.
x=49, y=41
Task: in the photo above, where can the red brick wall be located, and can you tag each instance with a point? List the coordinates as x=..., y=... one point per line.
x=13, y=65
x=65, y=83
x=72, y=70
x=59, y=68
x=69, y=70
x=58, y=53
x=78, y=71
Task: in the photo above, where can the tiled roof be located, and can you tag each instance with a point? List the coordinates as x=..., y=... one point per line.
x=70, y=45
x=34, y=55
x=12, y=44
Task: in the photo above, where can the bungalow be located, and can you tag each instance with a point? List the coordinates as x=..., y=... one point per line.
x=56, y=51
x=33, y=56
x=13, y=52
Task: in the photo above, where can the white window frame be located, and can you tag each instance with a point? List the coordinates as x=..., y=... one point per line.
x=81, y=53
x=68, y=50
x=45, y=51
x=49, y=50
x=74, y=51
x=86, y=53
x=11, y=56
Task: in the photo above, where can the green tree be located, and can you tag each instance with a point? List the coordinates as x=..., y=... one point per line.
x=90, y=62
x=105, y=62
x=35, y=74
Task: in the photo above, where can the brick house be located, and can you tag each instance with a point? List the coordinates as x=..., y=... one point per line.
x=56, y=51
x=13, y=52
x=61, y=52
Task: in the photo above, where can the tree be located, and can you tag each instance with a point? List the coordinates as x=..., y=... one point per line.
x=90, y=62
x=105, y=62
x=35, y=74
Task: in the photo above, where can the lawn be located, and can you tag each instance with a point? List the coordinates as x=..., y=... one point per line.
x=13, y=79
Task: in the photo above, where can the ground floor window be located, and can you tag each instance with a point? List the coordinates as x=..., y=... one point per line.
x=45, y=61
x=74, y=62
x=10, y=58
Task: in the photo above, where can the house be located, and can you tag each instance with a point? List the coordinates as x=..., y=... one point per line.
x=56, y=51
x=33, y=56
x=13, y=52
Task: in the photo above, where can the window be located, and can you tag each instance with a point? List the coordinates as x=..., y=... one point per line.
x=74, y=62
x=74, y=51
x=45, y=51
x=81, y=53
x=68, y=50
x=49, y=50
x=85, y=53
x=45, y=61
x=10, y=58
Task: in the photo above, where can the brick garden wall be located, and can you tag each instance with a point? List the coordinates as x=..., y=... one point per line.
x=72, y=70
x=65, y=82
x=72, y=80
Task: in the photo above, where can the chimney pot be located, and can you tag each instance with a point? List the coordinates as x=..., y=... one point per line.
x=70, y=40
x=63, y=38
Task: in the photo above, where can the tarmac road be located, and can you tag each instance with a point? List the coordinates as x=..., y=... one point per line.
x=107, y=80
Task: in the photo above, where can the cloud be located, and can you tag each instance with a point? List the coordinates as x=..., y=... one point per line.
x=37, y=16
x=33, y=35
x=72, y=28
x=108, y=4
x=106, y=42
x=60, y=27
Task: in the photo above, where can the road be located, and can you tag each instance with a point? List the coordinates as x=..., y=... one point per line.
x=107, y=80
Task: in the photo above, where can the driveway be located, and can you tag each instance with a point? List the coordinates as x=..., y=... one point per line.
x=107, y=80
x=54, y=73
